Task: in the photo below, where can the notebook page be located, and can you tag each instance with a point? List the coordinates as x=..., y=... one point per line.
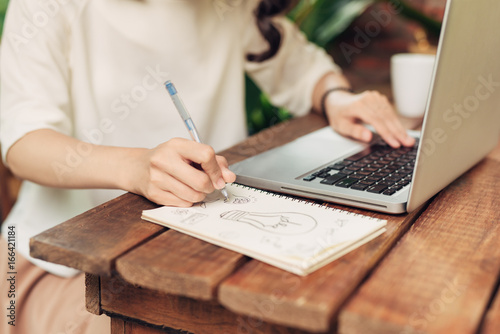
x=280, y=230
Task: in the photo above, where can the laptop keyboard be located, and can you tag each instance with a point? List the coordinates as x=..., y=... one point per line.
x=378, y=169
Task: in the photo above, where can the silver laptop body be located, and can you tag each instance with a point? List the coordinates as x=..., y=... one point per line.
x=461, y=124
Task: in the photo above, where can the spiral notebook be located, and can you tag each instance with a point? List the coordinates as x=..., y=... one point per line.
x=283, y=231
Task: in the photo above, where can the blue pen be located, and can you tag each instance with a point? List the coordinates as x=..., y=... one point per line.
x=186, y=118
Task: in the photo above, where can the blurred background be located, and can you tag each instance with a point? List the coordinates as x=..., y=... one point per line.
x=361, y=36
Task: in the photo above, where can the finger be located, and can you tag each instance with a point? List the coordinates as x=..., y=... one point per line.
x=375, y=110
x=398, y=131
x=394, y=124
x=170, y=162
x=389, y=115
x=402, y=134
x=204, y=155
x=354, y=130
x=409, y=141
x=367, y=115
x=163, y=197
x=168, y=183
x=389, y=129
x=227, y=174
x=176, y=158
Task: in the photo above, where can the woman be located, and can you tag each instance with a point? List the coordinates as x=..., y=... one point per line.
x=84, y=114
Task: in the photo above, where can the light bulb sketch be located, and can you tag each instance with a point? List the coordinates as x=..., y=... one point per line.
x=285, y=223
x=235, y=199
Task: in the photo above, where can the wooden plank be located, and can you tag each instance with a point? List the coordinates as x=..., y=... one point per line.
x=134, y=328
x=121, y=326
x=440, y=277
x=309, y=302
x=179, y=313
x=179, y=264
x=91, y=241
x=492, y=318
x=117, y=326
x=93, y=294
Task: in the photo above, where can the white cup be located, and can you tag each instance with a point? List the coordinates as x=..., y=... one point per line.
x=411, y=75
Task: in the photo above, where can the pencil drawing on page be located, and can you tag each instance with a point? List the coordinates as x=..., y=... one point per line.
x=285, y=223
x=194, y=218
x=233, y=199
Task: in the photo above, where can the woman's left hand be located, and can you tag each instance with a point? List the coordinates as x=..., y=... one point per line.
x=347, y=113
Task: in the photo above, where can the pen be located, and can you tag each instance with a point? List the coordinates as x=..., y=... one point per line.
x=186, y=118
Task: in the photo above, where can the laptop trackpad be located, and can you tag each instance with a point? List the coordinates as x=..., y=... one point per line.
x=298, y=157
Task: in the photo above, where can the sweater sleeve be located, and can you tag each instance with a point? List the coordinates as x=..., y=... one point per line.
x=290, y=76
x=34, y=70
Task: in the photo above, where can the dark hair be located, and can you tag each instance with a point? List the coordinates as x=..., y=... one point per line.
x=264, y=14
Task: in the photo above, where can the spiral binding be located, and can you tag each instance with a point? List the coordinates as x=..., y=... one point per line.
x=303, y=201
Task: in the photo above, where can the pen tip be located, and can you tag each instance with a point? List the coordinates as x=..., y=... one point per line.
x=224, y=192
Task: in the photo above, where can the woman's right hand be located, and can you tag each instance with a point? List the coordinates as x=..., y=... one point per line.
x=181, y=172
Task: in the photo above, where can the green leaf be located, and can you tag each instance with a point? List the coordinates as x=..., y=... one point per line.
x=432, y=26
x=337, y=23
x=3, y=10
x=323, y=20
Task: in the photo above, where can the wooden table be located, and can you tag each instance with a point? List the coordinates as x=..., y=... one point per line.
x=435, y=270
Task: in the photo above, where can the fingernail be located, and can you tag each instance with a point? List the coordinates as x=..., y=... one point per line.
x=394, y=143
x=221, y=183
x=410, y=140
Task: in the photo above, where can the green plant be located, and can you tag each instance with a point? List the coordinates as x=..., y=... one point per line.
x=3, y=10
x=322, y=21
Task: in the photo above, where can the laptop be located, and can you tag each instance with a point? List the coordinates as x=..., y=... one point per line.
x=461, y=126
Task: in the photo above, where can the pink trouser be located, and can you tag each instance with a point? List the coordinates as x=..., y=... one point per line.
x=44, y=303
